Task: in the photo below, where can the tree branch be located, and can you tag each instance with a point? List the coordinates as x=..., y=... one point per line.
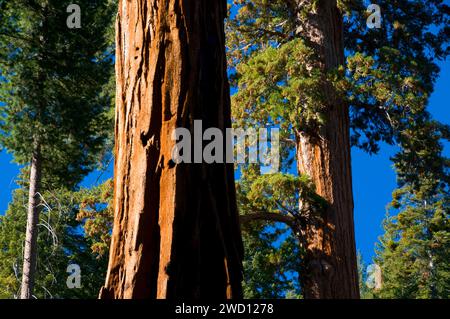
x=266, y=216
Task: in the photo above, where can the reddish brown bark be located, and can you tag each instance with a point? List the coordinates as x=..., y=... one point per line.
x=329, y=267
x=176, y=231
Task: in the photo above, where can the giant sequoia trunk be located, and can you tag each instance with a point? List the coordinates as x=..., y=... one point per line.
x=329, y=267
x=176, y=232
x=30, y=250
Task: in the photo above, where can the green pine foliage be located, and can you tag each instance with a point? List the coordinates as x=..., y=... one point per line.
x=61, y=242
x=271, y=262
x=414, y=250
x=54, y=84
x=56, y=89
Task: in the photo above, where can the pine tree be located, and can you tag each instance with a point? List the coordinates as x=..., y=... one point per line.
x=414, y=251
x=52, y=79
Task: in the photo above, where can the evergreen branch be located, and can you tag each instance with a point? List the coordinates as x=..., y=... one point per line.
x=267, y=216
x=15, y=36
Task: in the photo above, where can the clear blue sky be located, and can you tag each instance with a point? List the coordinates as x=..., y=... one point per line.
x=373, y=177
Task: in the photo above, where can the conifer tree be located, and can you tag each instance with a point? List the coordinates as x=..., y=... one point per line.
x=414, y=251
x=60, y=242
x=51, y=84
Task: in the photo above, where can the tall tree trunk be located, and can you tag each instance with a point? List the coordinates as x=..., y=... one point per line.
x=30, y=251
x=176, y=230
x=329, y=267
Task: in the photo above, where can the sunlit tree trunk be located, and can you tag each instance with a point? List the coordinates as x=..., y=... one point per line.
x=329, y=266
x=176, y=231
x=30, y=249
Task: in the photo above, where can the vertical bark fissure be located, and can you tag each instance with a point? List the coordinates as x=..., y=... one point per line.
x=166, y=239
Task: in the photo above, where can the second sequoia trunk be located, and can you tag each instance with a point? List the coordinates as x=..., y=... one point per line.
x=329, y=266
x=176, y=232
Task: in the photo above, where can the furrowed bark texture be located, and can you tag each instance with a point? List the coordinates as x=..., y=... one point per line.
x=31, y=235
x=176, y=230
x=30, y=250
x=329, y=269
